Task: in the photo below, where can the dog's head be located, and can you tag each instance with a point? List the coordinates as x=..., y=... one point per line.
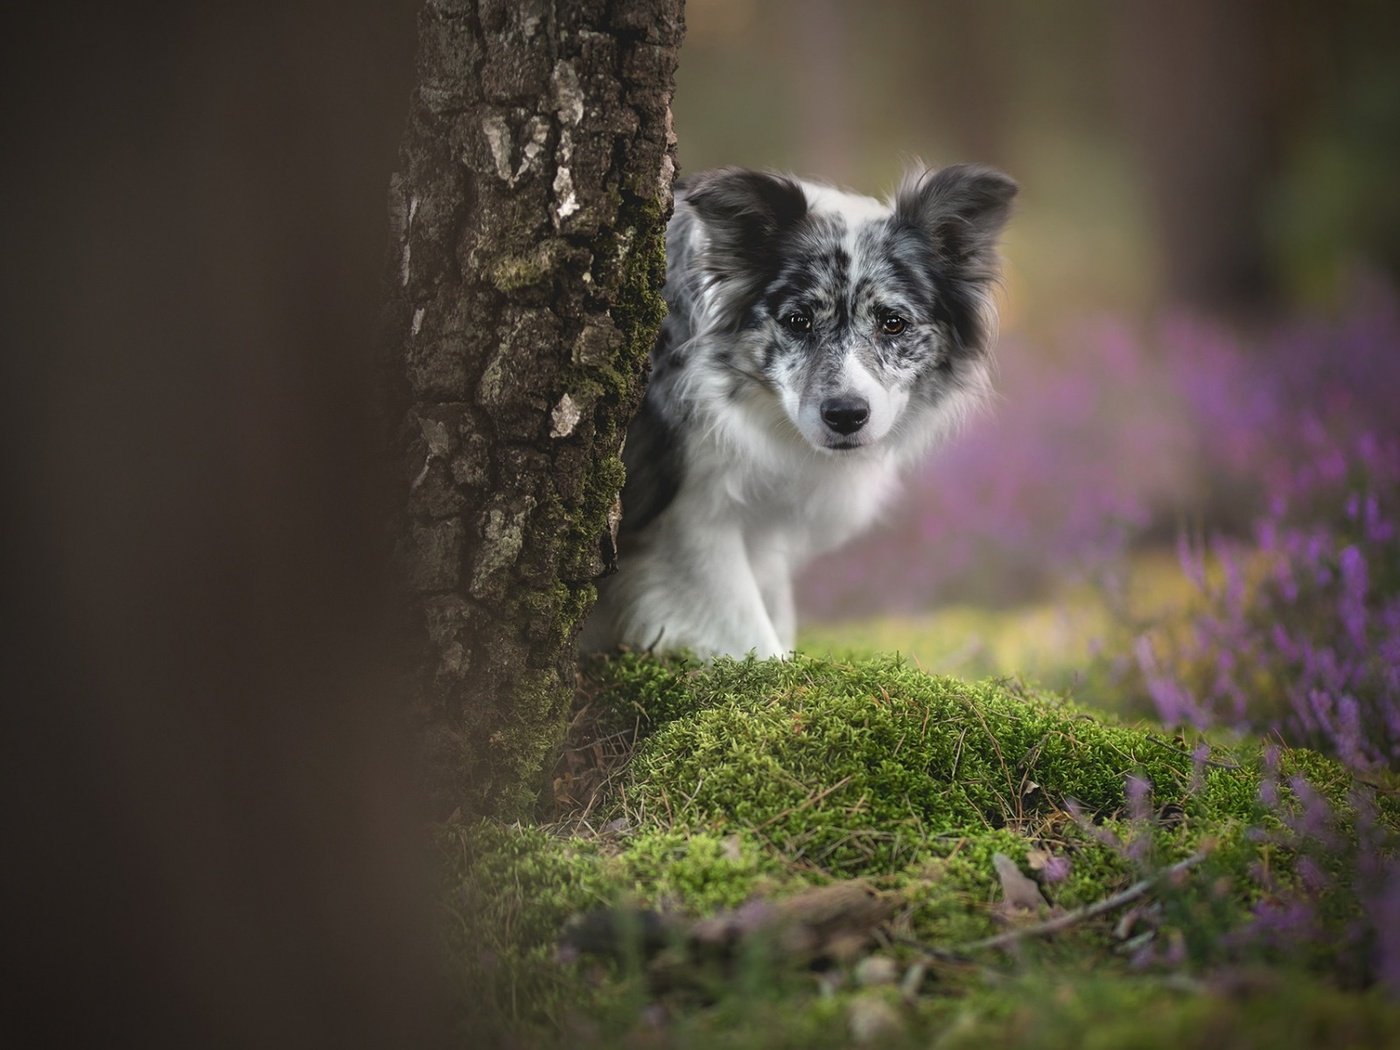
x=860, y=319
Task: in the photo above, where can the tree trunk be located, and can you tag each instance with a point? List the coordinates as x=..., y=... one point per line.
x=527, y=225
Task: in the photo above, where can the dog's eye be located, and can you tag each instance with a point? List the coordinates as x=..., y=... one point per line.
x=892, y=324
x=798, y=321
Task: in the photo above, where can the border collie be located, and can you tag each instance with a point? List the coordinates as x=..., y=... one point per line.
x=818, y=344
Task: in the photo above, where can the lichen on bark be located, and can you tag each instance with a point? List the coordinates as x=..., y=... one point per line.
x=527, y=258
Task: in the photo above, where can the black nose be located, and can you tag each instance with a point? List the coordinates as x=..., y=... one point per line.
x=845, y=415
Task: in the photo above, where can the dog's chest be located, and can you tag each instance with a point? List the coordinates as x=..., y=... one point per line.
x=818, y=505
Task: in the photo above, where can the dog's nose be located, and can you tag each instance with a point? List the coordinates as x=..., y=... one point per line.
x=845, y=415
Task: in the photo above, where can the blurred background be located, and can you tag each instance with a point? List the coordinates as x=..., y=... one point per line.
x=1235, y=156
x=1200, y=269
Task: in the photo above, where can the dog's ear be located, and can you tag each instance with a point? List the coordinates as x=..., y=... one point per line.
x=745, y=214
x=961, y=210
x=958, y=212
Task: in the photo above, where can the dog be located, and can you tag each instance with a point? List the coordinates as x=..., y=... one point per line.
x=818, y=343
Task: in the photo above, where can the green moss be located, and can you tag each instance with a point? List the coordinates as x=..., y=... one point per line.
x=761, y=778
x=590, y=520
x=515, y=272
x=640, y=252
x=1103, y=1011
x=700, y=871
x=548, y=602
x=631, y=268
x=511, y=890
x=524, y=746
x=1326, y=775
x=862, y=766
x=508, y=891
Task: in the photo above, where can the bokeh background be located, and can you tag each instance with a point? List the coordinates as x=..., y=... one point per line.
x=1234, y=156
x=1200, y=281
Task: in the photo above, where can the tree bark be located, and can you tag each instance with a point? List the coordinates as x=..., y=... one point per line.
x=527, y=226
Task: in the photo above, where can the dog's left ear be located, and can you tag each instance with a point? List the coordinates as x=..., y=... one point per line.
x=961, y=210
x=958, y=213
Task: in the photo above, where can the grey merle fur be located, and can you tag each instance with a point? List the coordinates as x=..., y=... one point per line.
x=787, y=297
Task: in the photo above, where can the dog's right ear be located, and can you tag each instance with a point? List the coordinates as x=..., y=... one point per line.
x=744, y=213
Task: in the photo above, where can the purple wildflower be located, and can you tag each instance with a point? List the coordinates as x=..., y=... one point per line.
x=1056, y=869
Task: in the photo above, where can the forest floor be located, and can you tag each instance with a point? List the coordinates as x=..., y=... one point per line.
x=844, y=849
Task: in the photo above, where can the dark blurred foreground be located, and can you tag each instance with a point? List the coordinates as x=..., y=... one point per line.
x=211, y=836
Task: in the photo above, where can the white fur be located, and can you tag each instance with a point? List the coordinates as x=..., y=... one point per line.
x=713, y=573
x=761, y=494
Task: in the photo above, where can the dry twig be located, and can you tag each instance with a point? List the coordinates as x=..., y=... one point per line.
x=1059, y=922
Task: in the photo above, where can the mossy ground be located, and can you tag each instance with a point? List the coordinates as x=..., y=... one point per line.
x=757, y=779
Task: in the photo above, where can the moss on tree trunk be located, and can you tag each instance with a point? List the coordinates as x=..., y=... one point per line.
x=527, y=225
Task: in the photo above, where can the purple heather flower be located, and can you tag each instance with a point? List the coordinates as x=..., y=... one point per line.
x=1268, y=792
x=1056, y=869
x=1138, y=791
